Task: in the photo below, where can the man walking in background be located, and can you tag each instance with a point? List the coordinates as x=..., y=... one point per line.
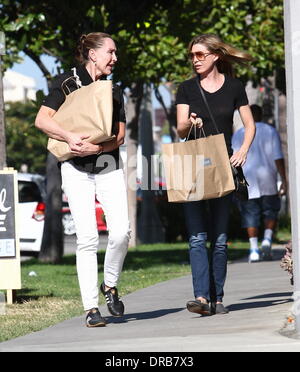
x=264, y=162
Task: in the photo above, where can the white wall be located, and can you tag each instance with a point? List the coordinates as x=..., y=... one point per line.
x=18, y=87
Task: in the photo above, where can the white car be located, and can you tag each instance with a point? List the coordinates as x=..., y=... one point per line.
x=32, y=194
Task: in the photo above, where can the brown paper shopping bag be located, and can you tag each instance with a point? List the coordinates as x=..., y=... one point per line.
x=198, y=169
x=86, y=110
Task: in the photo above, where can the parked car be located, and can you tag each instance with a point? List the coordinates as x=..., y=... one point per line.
x=68, y=222
x=32, y=194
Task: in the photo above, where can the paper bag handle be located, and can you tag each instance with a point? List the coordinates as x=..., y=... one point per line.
x=195, y=132
x=75, y=78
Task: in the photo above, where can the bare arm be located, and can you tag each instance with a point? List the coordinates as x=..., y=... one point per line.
x=90, y=149
x=184, y=121
x=118, y=140
x=239, y=157
x=281, y=170
x=44, y=121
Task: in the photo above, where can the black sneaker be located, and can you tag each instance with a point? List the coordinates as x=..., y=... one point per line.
x=94, y=319
x=115, y=306
x=198, y=307
x=218, y=308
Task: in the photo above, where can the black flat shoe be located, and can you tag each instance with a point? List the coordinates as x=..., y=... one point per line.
x=114, y=305
x=218, y=308
x=94, y=319
x=198, y=307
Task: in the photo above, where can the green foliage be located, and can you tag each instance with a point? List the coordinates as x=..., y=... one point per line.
x=152, y=36
x=25, y=143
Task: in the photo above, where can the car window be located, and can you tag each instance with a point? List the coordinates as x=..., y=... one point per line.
x=29, y=192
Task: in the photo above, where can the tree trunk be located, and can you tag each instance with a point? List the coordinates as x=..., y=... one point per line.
x=151, y=229
x=171, y=112
x=52, y=249
x=134, y=98
x=2, y=124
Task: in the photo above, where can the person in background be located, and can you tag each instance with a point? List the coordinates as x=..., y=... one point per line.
x=93, y=173
x=264, y=162
x=212, y=61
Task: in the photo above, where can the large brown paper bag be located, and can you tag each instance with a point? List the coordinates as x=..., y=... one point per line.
x=198, y=169
x=86, y=110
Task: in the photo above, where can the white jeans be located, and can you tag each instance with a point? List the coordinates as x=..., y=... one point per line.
x=81, y=189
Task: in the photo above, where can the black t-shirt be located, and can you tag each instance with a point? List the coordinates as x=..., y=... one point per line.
x=92, y=163
x=222, y=104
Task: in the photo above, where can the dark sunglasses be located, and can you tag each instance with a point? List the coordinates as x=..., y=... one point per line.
x=199, y=55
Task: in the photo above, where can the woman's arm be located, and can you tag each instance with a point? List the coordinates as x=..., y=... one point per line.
x=44, y=121
x=184, y=121
x=118, y=140
x=90, y=149
x=239, y=157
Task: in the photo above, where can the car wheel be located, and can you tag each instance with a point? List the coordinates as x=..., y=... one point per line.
x=68, y=224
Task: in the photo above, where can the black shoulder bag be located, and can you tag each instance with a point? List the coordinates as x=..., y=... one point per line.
x=240, y=182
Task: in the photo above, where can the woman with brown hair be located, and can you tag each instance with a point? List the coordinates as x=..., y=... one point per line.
x=212, y=61
x=94, y=172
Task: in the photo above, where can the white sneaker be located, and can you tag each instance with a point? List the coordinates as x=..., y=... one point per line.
x=254, y=256
x=266, y=248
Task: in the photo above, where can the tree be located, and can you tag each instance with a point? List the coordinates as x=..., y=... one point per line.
x=24, y=143
x=2, y=127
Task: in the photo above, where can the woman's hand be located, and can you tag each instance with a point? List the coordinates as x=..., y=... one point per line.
x=76, y=141
x=194, y=120
x=239, y=158
x=86, y=149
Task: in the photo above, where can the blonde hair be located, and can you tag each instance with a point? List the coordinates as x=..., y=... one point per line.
x=227, y=54
x=92, y=40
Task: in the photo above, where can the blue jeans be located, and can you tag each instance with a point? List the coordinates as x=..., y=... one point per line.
x=208, y=220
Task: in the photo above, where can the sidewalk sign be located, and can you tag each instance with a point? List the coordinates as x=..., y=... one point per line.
x=10, y=262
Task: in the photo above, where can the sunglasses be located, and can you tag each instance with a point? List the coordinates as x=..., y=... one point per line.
x=199, y=55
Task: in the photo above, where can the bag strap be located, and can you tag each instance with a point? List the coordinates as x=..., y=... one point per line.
x=75, y=78
x=207, y=106
x=195, y=132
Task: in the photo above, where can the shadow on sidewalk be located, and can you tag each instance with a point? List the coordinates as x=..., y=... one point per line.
x=142, y=316
x=281, y=294
x=260, y=304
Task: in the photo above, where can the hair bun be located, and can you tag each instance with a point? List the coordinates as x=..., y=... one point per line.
x=82, y=39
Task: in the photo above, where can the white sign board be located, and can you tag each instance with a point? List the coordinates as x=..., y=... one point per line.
x=10, y=267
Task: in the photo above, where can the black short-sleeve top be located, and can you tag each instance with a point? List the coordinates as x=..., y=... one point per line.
x=92, y=163
x=222, y=103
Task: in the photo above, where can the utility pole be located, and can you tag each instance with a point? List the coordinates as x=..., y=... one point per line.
x=292, y=61
x=2, y=122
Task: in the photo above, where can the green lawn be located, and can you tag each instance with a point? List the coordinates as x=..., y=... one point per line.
x=53, y=295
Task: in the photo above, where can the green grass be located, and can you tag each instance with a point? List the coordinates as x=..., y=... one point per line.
x=53, y=295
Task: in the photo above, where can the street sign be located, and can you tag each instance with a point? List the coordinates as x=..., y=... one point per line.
x=10, y=262
x=7, y=216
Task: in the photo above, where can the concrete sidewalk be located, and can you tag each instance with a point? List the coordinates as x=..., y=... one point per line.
x=258, y=296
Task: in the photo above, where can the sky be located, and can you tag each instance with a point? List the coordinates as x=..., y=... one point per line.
x=29, y=68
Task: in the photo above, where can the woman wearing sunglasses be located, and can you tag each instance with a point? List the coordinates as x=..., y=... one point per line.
x=212, y=61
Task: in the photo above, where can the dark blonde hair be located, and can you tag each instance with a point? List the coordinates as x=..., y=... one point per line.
x=92, y=40
x=227, y=53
